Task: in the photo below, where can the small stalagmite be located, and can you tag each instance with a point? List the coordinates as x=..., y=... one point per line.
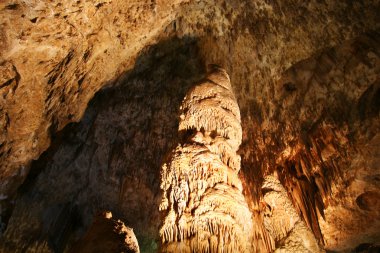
x=107, y=235
x=205, y=210
x=283, y=222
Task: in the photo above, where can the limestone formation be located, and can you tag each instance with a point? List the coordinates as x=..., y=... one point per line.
x=107, y=235
x=283, y=222
x=202, y=193
x=305, y=75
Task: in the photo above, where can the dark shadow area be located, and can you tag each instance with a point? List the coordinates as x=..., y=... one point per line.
x=111, y=159
x=367, y=248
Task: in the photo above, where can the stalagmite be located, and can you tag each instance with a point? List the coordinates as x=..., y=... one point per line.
x=106, y=235
x=205, y=210
x=282, y=221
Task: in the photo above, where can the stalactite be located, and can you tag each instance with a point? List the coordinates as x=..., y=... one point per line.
x=202, y=193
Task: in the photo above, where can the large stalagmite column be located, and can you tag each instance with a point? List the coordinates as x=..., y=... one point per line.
x=205, y=210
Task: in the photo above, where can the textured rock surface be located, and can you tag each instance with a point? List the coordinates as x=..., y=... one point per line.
x=283, y=222
x=205, y=210
x=330, y=156
x=108, y=236
x=54, y=57
x=305, y=75
x=111, y=159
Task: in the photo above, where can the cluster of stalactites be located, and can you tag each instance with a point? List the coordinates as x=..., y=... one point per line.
x=202, y=193
x=282, y=221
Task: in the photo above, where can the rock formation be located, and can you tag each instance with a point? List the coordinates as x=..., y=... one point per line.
x=107, y=235
x=89, y=92
x=283, y=222
x=202, y=193
x=70, y=48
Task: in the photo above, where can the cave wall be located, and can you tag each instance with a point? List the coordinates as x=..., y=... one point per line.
x=334, y=157
x=306, y=77
x=111, y=160
x=54, y=57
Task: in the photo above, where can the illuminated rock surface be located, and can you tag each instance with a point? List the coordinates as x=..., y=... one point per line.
x=283, y=222
x=205, y=208
x=89, y=98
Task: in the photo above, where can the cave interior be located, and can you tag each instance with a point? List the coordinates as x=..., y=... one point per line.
x=96, y=95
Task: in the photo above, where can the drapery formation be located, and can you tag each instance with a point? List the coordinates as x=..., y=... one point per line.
x=205, y=210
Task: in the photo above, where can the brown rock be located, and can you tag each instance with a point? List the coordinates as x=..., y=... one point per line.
x=305, y=75
x=107, y=235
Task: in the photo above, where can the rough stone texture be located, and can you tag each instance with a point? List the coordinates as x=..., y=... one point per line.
x=54, y=56
x=205, y=210
x=283, y=222
x=330, y=156
x=108, y=236
x=305, y=74
x=111, y=160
